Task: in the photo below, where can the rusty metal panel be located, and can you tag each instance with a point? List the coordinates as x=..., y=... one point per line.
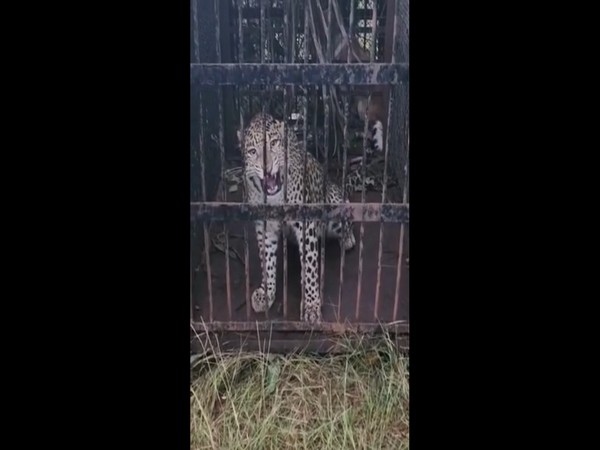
x=285, y=342
x=236, y=212
x=399, y=327
x=299, y=74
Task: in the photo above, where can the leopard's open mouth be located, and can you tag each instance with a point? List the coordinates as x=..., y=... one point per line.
x=272, y=183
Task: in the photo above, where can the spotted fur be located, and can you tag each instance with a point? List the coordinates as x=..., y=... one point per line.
x=257, y=181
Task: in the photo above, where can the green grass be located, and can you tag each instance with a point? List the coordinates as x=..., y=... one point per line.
x=355, y=400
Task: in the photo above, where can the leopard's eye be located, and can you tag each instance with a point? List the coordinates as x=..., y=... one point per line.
x=274, y=142
x=252, y=151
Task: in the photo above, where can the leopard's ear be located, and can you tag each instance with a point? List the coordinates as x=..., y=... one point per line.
x=281, y=127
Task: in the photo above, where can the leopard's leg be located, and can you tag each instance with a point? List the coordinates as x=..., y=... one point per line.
x=340, y=230
x=309, y=261
x=268, y=239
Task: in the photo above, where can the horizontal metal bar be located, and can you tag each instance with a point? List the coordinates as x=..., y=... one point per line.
x=302, y=74
x=316, y=342
x=359, y=212
x=277, y=13
x=399, y=327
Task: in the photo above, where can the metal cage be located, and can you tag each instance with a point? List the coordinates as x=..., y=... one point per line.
x=306, y=62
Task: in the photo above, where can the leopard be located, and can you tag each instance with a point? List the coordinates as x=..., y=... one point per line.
x=265, y=133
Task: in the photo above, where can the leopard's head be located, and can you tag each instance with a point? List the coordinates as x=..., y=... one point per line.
x=264, y=153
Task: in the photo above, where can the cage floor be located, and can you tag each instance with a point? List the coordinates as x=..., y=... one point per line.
x=351, y=276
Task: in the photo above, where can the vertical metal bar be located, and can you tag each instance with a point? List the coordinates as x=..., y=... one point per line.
x=326, y=154
x=362, y=224
x=263, y=44
x=262, y=31
x=270, y=38
x=400, y=54
x=270, y=103
x=366, y=6
x=240, y=35
x=400, y=251
x=345, y=161
x=363, y=176
x=206, y=236
x=272, y=95
x=246, y=251
x=402, y=227
x=293, y=37
x=286, y=32
x=241, y=144
x=285, y=200
x=191, y=296
x=325, y=175
x=385, y=178
x=196, y=32
x=288, y=54
x=329, y=46
x=373, y=30
x=222, y=152
x=293, y=48
x=264, y=236
x=196, y=37
x=315, y=123
x=305, y=131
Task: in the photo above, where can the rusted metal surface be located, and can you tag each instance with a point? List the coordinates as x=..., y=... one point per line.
x=287, y=342
x=365, y=212
x=300, y=74
x=400, y=327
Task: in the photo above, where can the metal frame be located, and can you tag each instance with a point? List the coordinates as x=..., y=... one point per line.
x=392, y=75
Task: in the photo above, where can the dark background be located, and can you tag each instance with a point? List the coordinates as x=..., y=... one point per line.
x=98, y=229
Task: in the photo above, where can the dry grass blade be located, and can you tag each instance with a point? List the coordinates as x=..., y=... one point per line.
x=358, y=399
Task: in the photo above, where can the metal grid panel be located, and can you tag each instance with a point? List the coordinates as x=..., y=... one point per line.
x=289, y=62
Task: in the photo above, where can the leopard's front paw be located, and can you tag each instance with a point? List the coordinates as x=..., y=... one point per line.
x=312, y=310
x=260, y=301
x=349, y=240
